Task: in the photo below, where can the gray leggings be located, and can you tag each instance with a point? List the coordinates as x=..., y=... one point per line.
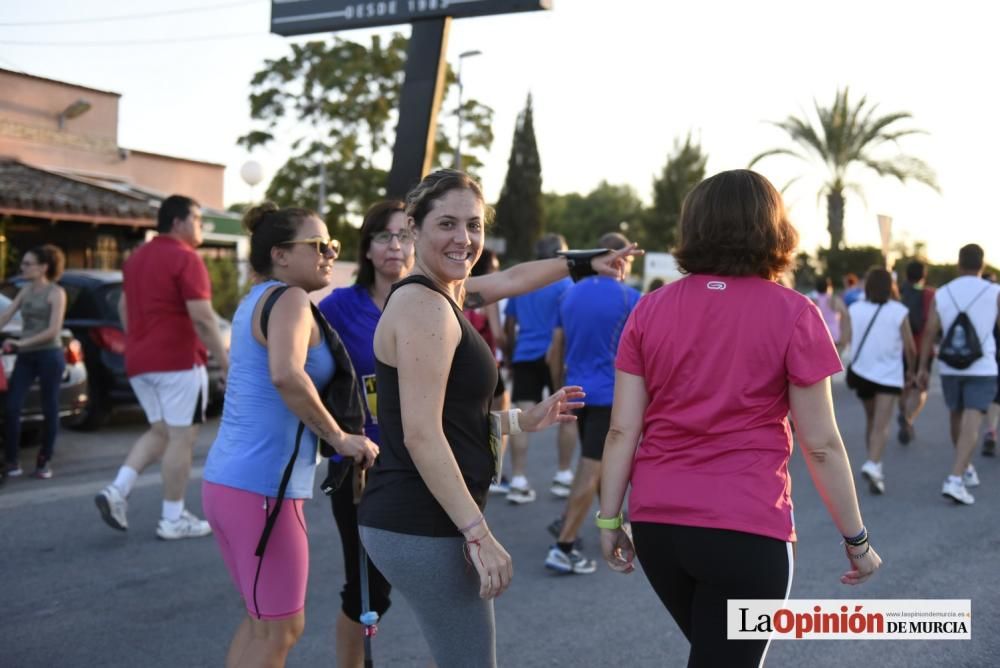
x=442, y=588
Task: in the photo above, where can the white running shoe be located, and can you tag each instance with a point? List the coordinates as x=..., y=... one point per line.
x=520, y=495
x=113, y=507
x=970, y=478
x=872, y=472
x=574, y=562
x=187, y=526
x=957, y=492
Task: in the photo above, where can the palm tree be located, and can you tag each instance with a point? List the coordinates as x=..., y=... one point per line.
x=847, y=137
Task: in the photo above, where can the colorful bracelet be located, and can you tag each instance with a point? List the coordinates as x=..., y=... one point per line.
x=608, y=522
x=859, y=540
x=868, y=549
x=473, y=524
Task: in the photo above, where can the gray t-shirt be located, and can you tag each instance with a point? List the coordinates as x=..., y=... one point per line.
x=36, y=313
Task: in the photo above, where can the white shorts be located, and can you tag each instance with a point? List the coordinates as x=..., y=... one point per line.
x=178, y=398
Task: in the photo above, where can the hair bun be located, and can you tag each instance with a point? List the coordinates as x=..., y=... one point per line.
x=253, y=217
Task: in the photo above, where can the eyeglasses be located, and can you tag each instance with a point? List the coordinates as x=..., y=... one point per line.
x=384, y=238
x=322, y=246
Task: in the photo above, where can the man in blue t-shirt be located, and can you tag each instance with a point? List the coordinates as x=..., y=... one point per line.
x=590, y=319
x=530, y=319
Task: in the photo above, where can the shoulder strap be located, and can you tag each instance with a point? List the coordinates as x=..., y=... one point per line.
x=871, y=322
x=265, y=312
x=427, y=283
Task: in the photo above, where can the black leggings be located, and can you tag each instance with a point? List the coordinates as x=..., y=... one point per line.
x=695, y=570
x=345, y=513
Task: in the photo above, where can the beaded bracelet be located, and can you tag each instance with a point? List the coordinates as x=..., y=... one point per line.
x=868, y=548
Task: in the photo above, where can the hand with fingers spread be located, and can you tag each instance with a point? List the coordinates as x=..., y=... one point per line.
x=864, y=562
x=558, y=407
x=613, y=264
x=618, y=550
x=491, y=561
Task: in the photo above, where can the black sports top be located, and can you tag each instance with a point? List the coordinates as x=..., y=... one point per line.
x=396, y=497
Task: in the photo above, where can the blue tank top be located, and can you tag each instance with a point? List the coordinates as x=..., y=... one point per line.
x=257, y=434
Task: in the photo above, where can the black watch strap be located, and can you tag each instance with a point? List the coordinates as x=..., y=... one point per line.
x=579, y=263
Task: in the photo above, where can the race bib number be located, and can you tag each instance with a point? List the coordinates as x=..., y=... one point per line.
x=371, y=396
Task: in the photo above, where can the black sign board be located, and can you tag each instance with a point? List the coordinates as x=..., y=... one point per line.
x=301, y=17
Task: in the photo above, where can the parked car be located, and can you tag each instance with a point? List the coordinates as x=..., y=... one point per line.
x=92, y=298
x=73, y=392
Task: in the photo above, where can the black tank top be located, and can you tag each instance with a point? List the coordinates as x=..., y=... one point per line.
x=396, y=497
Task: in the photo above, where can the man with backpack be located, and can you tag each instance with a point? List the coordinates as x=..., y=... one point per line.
x=918, y=298
x=966, y=310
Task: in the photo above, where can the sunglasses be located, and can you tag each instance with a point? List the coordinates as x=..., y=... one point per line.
x=384, y=238
x=322, y=246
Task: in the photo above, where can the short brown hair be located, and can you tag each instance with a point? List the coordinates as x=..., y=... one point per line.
x=734, y=224
x=880, y=286
x=52, y=257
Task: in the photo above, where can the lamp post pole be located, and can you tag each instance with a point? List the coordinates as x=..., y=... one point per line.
x=458, y=139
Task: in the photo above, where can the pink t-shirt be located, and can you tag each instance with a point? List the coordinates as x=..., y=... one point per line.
x=717, y=354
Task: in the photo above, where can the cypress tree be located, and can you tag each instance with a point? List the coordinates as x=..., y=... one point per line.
x=519, y=209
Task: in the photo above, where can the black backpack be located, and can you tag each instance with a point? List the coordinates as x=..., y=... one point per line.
x=961, y=345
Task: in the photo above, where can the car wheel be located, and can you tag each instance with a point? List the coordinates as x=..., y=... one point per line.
x=94, y=415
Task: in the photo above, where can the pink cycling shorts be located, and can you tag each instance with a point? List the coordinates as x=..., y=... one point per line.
x=277, y=589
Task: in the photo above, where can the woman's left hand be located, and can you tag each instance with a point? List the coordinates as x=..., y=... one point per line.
x=558, y=407
x=10, y=345
x=617, y=549
x=613, y=264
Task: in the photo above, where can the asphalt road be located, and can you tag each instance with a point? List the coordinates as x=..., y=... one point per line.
x=76, y=593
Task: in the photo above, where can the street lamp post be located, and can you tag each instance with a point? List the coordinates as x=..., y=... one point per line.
x=458, y=140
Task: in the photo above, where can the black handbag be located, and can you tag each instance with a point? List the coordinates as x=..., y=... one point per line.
x=853, y=380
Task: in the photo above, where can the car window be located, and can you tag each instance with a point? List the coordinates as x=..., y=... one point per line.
x=80, y=302
x=4, y=303
x=111, y=295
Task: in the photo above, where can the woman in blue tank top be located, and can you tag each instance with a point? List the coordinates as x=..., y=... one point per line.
x=273, y=388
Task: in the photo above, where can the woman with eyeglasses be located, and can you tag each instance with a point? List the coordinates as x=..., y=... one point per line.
x=385, y=256
x=42, y=303
x=278, y=367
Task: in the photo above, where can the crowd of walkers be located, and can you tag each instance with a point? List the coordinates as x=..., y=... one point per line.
x=399, y=381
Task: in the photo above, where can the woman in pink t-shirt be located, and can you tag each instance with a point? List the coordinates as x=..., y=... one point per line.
x=708, y=368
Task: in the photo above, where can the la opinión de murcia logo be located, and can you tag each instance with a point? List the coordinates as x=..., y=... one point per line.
x=833, y=619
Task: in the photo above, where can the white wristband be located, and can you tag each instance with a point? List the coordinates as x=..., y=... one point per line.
x=513, y=426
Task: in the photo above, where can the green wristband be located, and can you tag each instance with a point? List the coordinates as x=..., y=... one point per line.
x=608, y=522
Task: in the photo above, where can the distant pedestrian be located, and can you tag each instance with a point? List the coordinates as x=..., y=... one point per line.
x=853, y=291
x=272, y=419
x=707, y=370
x=531, y=319
x=592, y=314
x=166, y=311
x=42, y=303
x=918, y=298
x=969, y=382
x=834, y=311
x=882, y=365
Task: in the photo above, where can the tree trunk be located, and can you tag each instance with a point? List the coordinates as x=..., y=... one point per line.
x=835, y=218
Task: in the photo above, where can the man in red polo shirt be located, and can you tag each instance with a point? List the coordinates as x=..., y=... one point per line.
x=166, y=310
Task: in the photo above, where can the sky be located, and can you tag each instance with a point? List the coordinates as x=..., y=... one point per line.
x=614, y=84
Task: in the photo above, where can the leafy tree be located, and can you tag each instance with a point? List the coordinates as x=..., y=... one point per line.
x=583, y=219
x=338, y=100
x=685, y=168
x=519, y=213
x=845, y=137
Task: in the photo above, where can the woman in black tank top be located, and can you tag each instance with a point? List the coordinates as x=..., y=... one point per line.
x=435, y=378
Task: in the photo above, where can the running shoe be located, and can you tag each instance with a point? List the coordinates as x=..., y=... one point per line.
x=970, y=478
x=520, y=495
x=957, y=492
x=113, y=507
x=501, y=487
x=186, y=526
x=14, y=470
x=562, y=482
x=574, y=562
x=989, y=445
x=906, y=433
x=43, y=472
x=872, y=472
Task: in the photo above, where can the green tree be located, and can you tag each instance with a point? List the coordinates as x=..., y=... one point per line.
x=519, y=213
x=583, y=219
x=845, y=137
x=685, y=168
x=338, y=101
